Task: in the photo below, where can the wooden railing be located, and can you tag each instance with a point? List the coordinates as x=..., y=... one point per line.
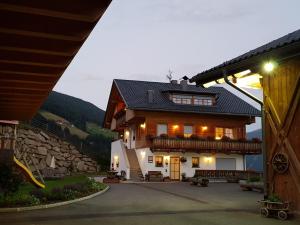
x=240, y=174
x=174, y=144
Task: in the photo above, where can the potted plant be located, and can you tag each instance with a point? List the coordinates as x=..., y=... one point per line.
x=183, y=177
x=183, y=159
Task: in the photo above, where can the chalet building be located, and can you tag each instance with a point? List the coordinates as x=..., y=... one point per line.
x=177, y=128
x=274, y=67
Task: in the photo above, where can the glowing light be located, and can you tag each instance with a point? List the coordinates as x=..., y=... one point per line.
x=143, y=125
x=208, y=159
x=116, y=158
x=209, y=84
x=143, y=153
x=218, y=138
x=241, y=74
x=251, y=81
x=269, y=67
x=126, y=133
x=175, y=127
x=221, y=81
x=204, y=128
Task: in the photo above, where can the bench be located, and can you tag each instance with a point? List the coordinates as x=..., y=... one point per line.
x=154, y=176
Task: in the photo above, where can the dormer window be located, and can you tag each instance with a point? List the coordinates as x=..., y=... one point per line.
x=203, y=100
x=192, y=99
x=182, y=99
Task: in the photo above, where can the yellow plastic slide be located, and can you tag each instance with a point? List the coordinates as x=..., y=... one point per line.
x=29, y=174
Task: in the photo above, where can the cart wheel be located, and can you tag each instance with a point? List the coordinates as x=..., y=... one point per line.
x=282, y=215
x=264, y=212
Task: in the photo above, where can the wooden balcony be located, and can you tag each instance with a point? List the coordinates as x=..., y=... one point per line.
x=205, y=146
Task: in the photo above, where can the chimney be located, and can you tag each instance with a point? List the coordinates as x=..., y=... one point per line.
x=184, y=84
x=150, y=94
x=173, y=81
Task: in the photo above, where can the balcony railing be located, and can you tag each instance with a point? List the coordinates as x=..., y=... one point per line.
x=229, y=147
x=240, y=174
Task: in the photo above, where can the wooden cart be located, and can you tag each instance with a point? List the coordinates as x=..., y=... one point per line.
x=276, y=209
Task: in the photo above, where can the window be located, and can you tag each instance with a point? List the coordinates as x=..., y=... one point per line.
x=158, y=161
x=195, y=162
x=150, y=159
x=188, y=131
x=201, y=100
x=229, y=133
x=182, y=99
x=220, y=132
x=192, y=100
x=162, y=129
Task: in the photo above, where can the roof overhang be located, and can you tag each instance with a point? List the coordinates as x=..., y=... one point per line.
x=38, y=40
x=254, y=63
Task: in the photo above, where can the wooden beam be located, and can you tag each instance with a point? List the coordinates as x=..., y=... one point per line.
x=28, y=63
x=37, y=51
x=44, y=35
x=50, y=13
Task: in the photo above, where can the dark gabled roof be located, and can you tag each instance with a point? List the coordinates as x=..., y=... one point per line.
x=135, y=96
x=279, y=48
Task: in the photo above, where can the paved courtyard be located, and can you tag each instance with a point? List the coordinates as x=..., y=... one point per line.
x=155, y=203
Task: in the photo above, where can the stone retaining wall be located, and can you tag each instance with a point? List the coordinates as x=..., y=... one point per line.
x=48, y=150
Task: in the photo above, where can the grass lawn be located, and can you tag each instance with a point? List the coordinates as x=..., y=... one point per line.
x=68, y=188
x=50, y=184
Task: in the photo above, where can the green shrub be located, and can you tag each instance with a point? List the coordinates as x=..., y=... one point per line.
x=254, y=179
x=18, y=200
x=9, y=181
x=274, y=198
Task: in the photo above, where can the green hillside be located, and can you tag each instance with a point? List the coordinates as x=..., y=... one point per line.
x=78, y=122
x=75, y=110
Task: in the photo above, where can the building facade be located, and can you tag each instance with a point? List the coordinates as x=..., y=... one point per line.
x=176, y=128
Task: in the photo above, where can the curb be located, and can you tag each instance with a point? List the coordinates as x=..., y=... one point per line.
x=29, y=208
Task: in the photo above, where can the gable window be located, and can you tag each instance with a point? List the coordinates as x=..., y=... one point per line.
x=195, y=162
x=192, y=99
x=188, y=131
x=158, y=161
x=161, y=129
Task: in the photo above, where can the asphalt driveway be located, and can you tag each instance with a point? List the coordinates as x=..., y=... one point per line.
x=155, y=203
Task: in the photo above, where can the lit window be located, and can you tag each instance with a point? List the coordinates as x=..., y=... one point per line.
x=188, y=131
x=162, y=129
x=219, y=133
x=228, y=133
x=195, y=162
x=158, y=161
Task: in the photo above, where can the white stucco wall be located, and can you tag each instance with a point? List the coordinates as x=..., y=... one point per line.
x=207, y=161
x=118, y=154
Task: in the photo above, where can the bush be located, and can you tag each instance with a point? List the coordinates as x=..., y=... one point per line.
x=56, y=194
x=9, y=181
x=39, y=194
x=274, y=198
x=18, y=200
x=254, y=179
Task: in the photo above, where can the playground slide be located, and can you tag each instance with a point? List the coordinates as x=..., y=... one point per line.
x=29, y=174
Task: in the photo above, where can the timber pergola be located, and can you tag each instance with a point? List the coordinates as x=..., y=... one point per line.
x=38, y=40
